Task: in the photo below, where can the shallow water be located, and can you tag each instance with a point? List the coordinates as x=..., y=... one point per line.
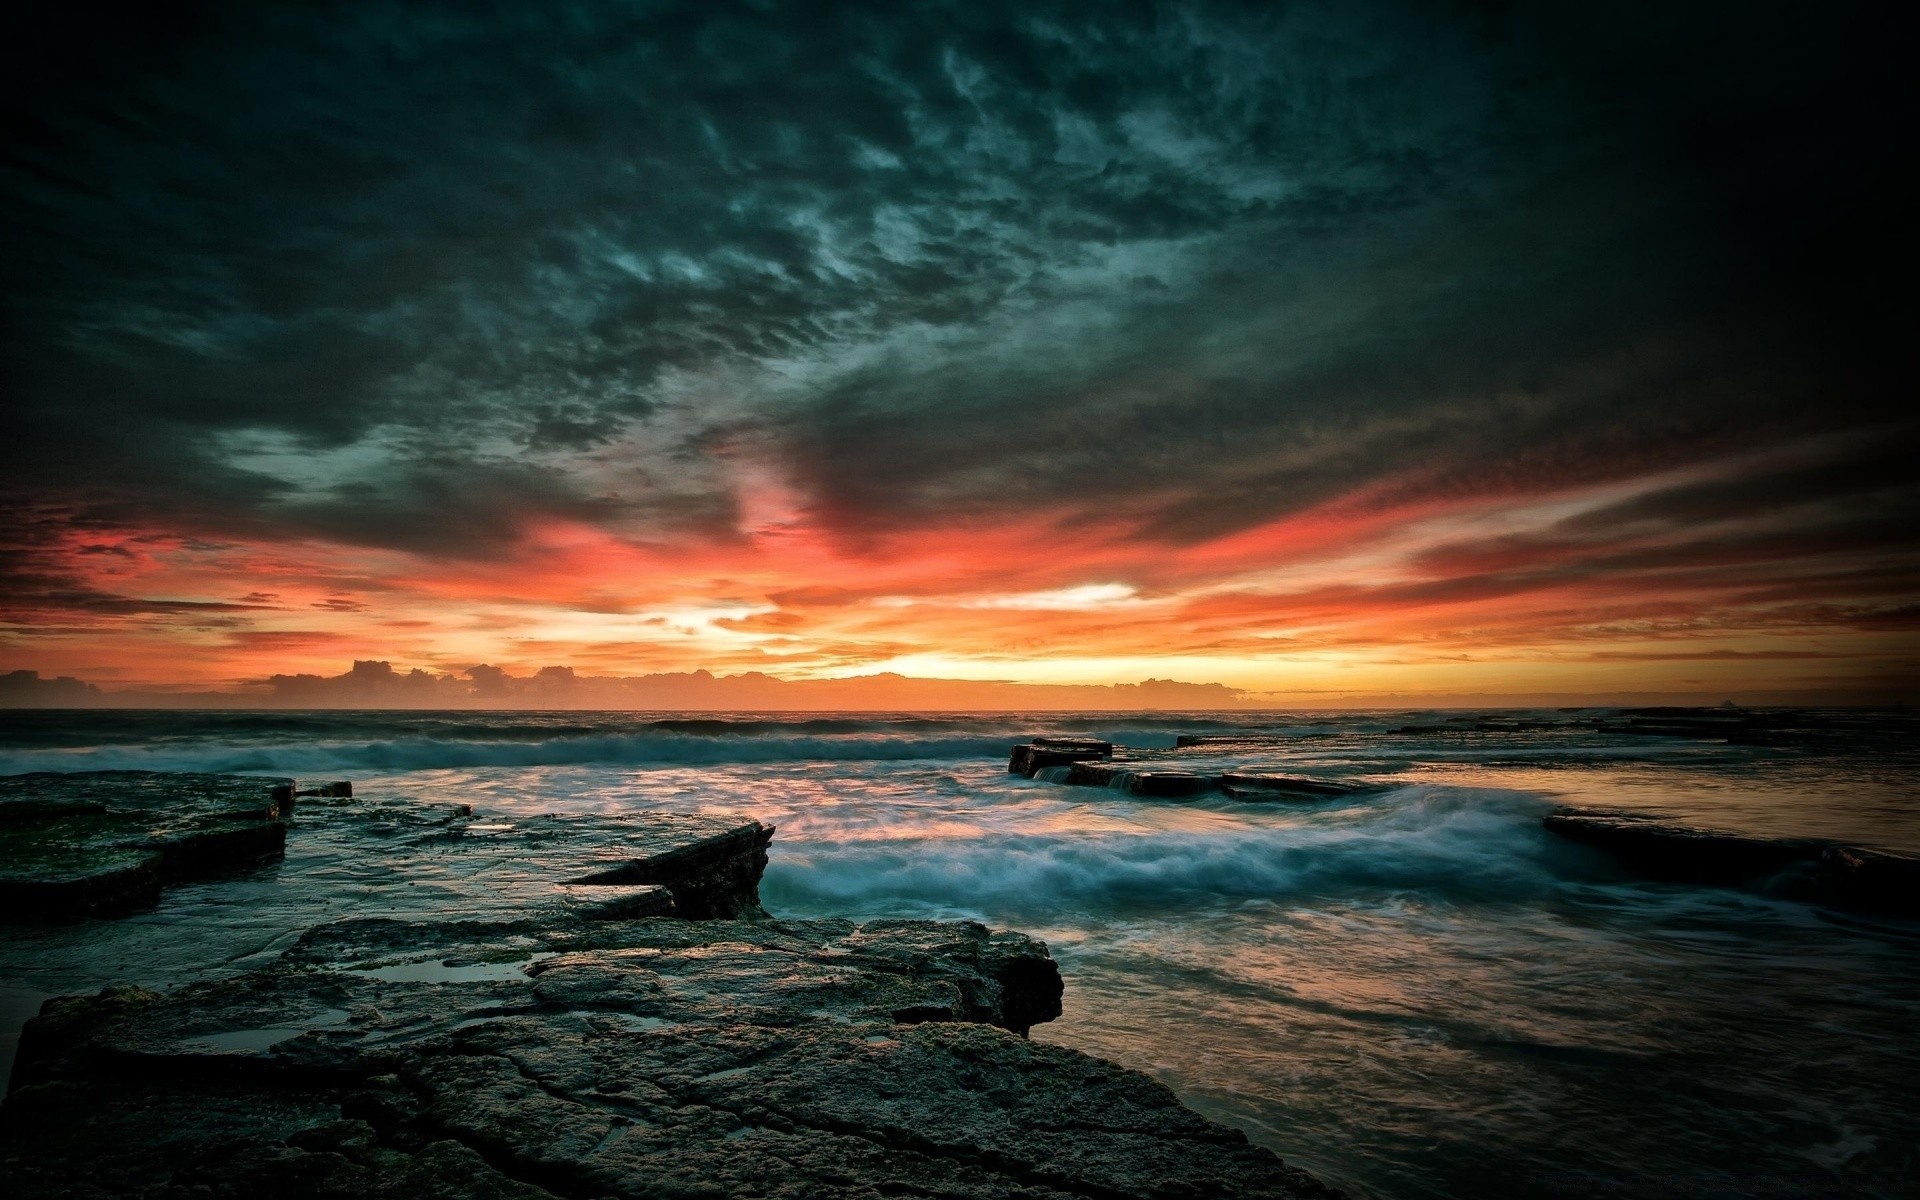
x=1412, y=992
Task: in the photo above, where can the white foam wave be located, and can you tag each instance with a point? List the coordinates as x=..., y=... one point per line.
x=411, y=754
x=1464, y=843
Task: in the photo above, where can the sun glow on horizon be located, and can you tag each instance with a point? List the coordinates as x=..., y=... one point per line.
x=1472, y=594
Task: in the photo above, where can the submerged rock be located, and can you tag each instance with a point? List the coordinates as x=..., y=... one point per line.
x=108, y=841
x=1730, y=724
x=643, y=1058
x=1224, y=741
x=1799, y=868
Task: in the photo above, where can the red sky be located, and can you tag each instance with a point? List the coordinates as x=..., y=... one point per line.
x=1627, y=586
x=1325, y=350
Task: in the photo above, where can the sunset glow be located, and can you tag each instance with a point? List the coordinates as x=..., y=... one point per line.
x=980, y=376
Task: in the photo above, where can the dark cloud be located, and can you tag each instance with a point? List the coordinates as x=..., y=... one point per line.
x=415, y=276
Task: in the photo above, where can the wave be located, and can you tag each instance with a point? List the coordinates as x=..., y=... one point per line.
x=55, y=729
x=1460, y=843
x=428, y=753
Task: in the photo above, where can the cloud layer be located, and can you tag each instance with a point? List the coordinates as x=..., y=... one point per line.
x=815, y=339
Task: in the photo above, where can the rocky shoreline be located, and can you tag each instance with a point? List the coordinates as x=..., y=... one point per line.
x=623, y=1021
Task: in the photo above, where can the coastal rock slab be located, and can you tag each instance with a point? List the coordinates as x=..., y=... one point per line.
x=1798, y=868
x=609, y=1058
x=109, y=841
x=1681, y=852
x=1044, y=752
x=1169, y=785
x=1285, y=788
x=712, y=875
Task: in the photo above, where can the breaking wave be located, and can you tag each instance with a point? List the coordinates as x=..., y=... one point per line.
x=429, y=753
x=1470, y=845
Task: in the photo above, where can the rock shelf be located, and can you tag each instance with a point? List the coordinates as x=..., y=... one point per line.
x=1043, y=752
x=593, y=1046
x=1798, y=868
x=1091, y=764
x=110, y=841
x=1294, y=788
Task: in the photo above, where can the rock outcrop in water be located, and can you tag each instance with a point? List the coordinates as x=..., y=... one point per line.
x=1286, y=788
x=109, y=841
x=1091, y=764
x=1800, y=868
x=1044, y=752
x=570, y=1050
x=716, y=876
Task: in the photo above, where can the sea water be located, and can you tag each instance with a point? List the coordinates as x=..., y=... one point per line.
x=1413, y=991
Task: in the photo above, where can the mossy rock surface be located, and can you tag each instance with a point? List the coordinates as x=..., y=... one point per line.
x=73, y=844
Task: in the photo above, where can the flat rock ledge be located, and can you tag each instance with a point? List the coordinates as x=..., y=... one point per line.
x=1811, y=869
x=1079, y=763
x=575, y=1059
x=104, y=842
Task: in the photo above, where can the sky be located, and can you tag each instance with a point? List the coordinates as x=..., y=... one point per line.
x=1316, y=350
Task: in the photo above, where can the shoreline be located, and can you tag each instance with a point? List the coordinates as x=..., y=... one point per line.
x=393, y=1052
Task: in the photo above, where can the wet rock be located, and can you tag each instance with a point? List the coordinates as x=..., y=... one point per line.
x=1169, y=785
x=717, y=875
x=1232, y=741
x=108, y=841
x=1284, y=788
x=602, y=903
x=1681, y=852
x=338, y=789
x=640, y=1058
x=1745, y=726
x=1053, y=752
x=1091, y=774
x=1799, y=868
x=1867, y=879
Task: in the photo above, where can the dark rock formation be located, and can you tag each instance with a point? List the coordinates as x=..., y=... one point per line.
x=1294, y=788
x=1800, y=868
x=109, y=841
x=1867, y=879
x=1090, y=764
x=618, y=902
x=1052, y=752
x=1091, y=774
x=1763, y=727
x=1169, y=785
x=1680, y=852
x=1237, y=741
x=716, y=876
x=645, y=1058
x=1486, y=725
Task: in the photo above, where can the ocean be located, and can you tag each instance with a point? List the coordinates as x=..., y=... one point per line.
x=1412, y=992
